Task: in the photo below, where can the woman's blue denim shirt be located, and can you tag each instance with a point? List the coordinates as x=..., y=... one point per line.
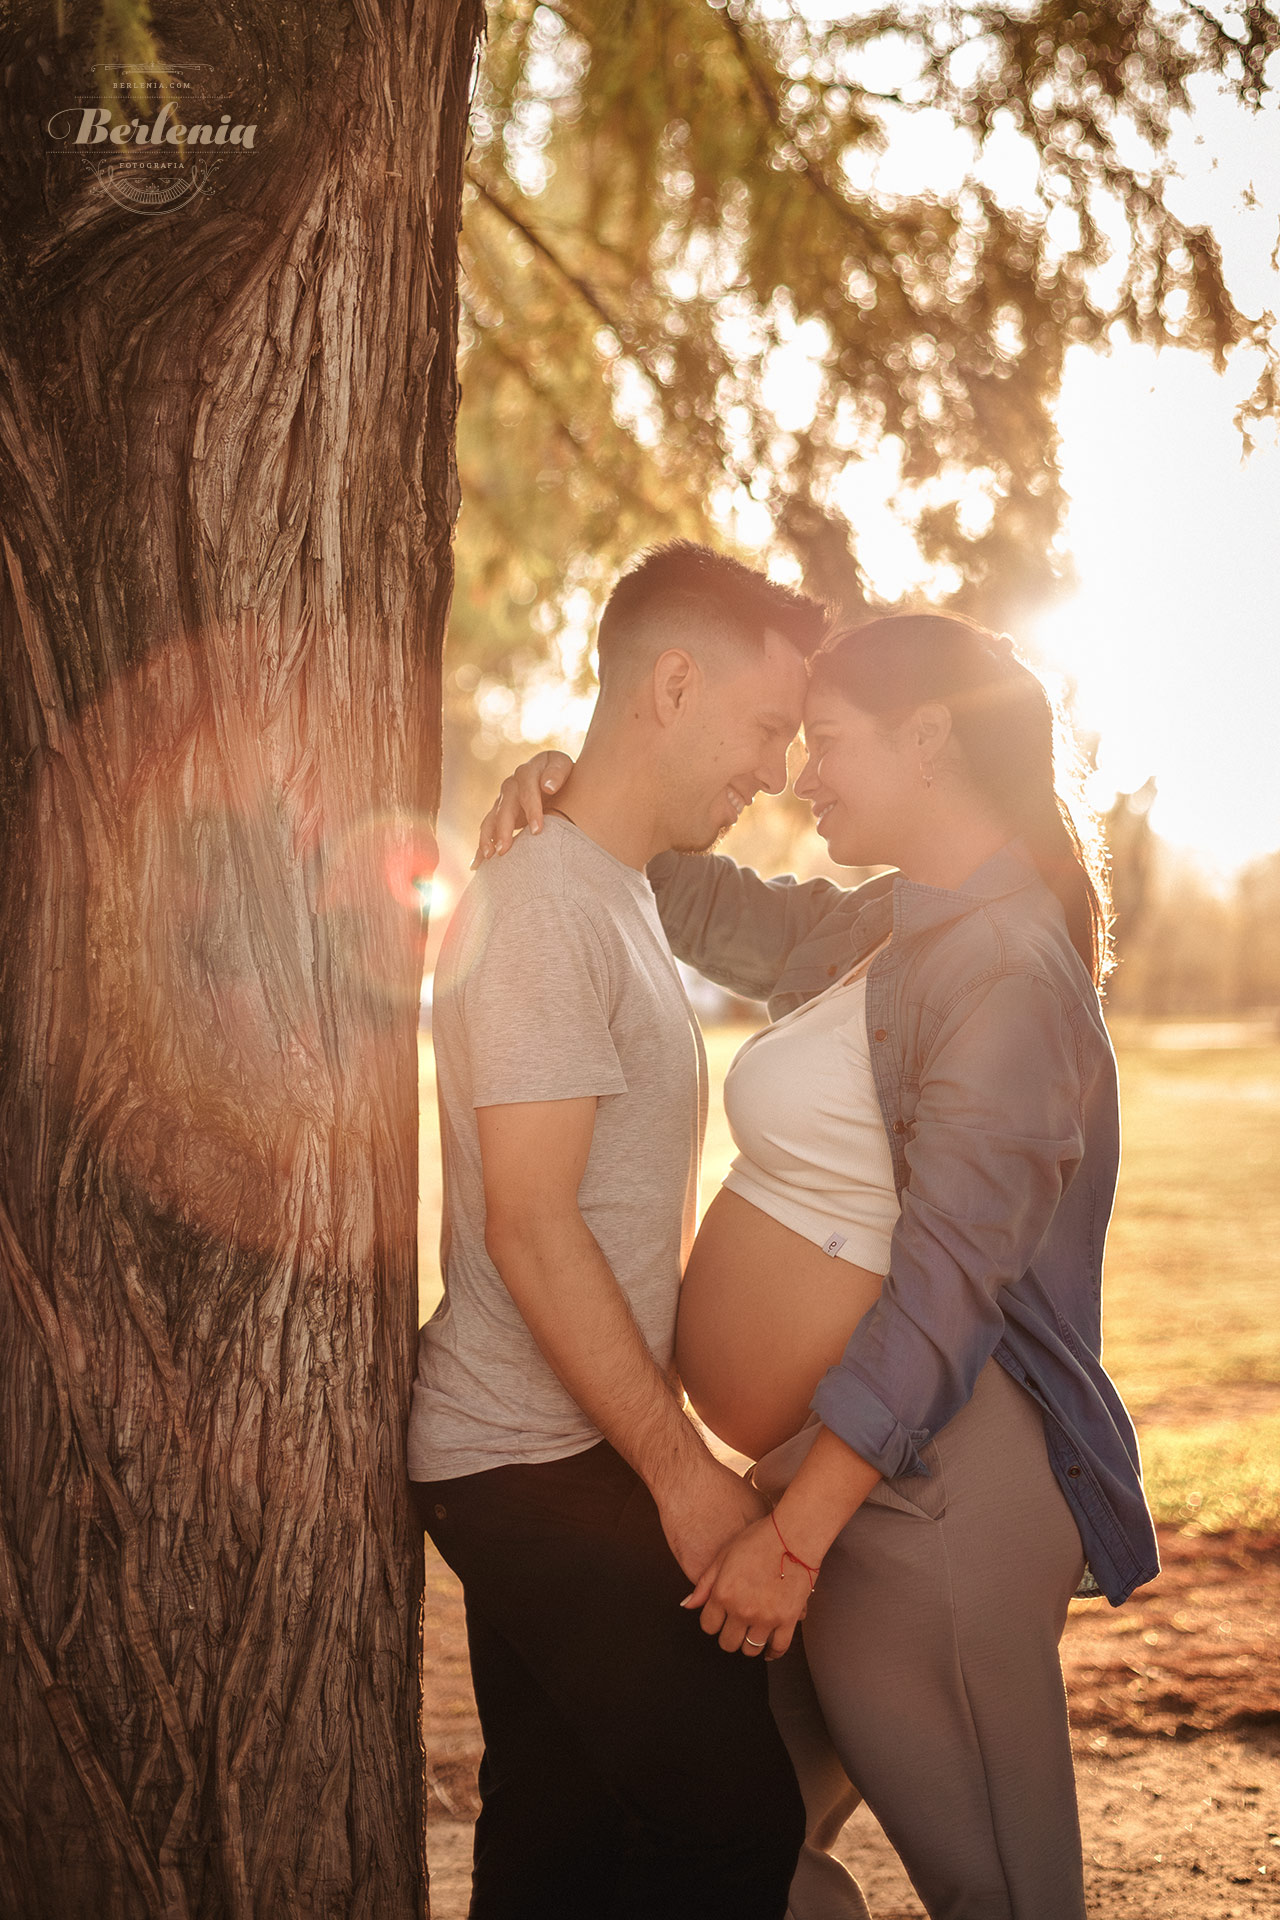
x=997, y=1084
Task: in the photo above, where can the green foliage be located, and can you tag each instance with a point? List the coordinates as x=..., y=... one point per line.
x=127, y=57
x=666, y=195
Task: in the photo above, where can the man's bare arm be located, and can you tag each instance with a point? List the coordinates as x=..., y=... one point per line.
x=534, y=1156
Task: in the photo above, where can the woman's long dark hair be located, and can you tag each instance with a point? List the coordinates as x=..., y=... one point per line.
x=1003, y=721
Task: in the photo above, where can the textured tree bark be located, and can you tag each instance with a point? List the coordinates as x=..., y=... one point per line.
x=228, y=490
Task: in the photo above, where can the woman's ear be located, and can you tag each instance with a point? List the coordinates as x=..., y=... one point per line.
x=931, y=729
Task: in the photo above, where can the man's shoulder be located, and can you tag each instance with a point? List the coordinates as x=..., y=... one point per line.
x=543, y=870
x=540, y=886
x=533, y=868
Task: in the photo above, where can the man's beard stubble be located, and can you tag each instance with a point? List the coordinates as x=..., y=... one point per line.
x=708, y=846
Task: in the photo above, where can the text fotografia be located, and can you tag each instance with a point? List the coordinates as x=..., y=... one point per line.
x=98, y=125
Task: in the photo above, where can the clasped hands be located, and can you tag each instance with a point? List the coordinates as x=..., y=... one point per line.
x=751, y=1597
x=722, y=1532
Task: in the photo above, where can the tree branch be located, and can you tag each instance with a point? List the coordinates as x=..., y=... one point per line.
x=581, y=287
x=812, y=171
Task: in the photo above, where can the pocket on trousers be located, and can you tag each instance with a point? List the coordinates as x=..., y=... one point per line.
x=924, y=1496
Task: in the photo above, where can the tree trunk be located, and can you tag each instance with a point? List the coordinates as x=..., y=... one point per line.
x=228, y=490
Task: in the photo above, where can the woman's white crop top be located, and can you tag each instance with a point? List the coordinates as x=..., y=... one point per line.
x=801, y=1104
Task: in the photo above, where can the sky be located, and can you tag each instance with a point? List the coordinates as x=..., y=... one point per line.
x=1174, y=636
x=1171, y=644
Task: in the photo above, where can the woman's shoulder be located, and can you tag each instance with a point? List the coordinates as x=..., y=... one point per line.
x=1021, y=935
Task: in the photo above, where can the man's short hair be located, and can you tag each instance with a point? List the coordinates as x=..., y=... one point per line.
x=687, y=588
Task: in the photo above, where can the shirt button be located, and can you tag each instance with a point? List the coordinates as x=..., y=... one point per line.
x=1073, y=1473
x=439, y=1512
x=831, y=973
x=898, y=1127
x=881, y=1034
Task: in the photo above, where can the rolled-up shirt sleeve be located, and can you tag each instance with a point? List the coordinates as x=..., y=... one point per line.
x=995, y=1139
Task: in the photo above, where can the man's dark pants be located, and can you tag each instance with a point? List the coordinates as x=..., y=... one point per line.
x=632, y=1771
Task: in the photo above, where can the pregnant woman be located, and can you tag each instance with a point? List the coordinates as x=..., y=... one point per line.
x=893, y=1304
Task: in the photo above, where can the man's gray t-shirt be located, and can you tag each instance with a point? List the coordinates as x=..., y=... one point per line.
x=555, y=981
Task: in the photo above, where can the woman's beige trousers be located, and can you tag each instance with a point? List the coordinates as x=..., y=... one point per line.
x=932, y=1642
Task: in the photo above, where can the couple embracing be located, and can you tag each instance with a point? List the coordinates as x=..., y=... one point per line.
x=892, y=1305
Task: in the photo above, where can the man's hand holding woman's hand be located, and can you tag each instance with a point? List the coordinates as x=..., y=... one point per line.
x=703, y=1511
x=759, y=1587
x=752, y=1599
x=520, y=801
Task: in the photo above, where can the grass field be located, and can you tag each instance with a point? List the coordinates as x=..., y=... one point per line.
x=1192, y=1309
x=1192, y=1321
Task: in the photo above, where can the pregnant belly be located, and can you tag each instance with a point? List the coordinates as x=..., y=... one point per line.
x=763, y=1314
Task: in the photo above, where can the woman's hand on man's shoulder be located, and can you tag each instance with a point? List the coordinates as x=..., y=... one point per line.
x=520, y=802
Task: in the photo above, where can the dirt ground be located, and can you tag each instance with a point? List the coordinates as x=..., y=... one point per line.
x=1175, y=1706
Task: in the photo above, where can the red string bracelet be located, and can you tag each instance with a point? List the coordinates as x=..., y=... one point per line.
x=793, y=1557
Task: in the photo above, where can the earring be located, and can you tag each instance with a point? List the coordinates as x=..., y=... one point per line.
x=926, y=773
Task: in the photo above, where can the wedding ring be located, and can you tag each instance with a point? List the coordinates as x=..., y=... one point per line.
x=749, y=1642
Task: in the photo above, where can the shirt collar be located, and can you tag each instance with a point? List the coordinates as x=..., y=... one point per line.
x=919, y=909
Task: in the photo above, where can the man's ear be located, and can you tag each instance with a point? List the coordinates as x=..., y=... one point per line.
x=676, y=678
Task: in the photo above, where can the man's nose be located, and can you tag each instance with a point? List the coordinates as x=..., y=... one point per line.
x=776, y=770
x=771, y=774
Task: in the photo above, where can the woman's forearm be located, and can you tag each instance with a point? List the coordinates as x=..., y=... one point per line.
x=830, y=1486
x=756, y=1592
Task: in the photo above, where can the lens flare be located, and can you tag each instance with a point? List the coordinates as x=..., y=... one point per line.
x=409, y=865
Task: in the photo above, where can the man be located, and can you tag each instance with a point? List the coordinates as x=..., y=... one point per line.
x=629, y=1769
